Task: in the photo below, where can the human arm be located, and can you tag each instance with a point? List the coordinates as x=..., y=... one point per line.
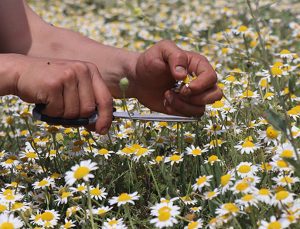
x=151, y=73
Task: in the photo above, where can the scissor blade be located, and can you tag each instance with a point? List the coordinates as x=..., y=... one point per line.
x=154, y=117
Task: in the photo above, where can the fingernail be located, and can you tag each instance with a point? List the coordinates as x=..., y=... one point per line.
x=186, y=90
x=180, y=69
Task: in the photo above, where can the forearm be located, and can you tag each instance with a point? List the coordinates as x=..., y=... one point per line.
x=8, y=74
x=113, y=63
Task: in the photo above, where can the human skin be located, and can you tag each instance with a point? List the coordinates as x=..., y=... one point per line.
x=49, y=57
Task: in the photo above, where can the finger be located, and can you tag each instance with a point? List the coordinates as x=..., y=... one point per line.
x=176, y=58
x=206, y=76
x=71, y=95
x=104, y=103
x=207, y=97
x=55, y=104
x=177, y=104
x=85, y=88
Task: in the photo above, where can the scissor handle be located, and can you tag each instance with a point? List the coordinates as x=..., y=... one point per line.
x=37, y=114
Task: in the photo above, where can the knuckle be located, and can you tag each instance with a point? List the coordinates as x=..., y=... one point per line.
x=82, y=67
x=69, y=74
x=219, y=94
x=53, y=85
x=87, y=110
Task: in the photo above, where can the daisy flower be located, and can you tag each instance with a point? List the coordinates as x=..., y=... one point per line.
x=242, y=186
x=212, y=159
x=280, y=165
x=48, y=218
x=215, y=143
x=285, y=180
x=211, y=194
x=246, y=169
x=188, y=200
x=247, y=146
x=226, y=182
x=195, y=224
x=68, y=224
x=114, y=224
x=10, y=163
x=270, y=135
x=101, y=211
x=165, y=214
x=102, y=152
x=10, y=196
x=264, y=195
x=201, y=182
x=228, y=209
x=20, y=206
x=124, y=198
x=46, y=182
x=174, y=158
x=141, y=152
x=82, y=188
x=9, y=221
x=97, y=193
x=286, y=150
x=196, y=209
x=247, y=200
x=195, y=151
x=283, y=198
x=81, y=172
x=63, y=198
x=274, y=223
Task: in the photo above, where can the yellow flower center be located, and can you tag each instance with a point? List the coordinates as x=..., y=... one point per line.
x=285, y=51
x=264, y=83
x=163, y=124
x=43, y=183
x=127, y=150
x=276, y=71
x=274, y=225
x=247, y=197
x=287, y=153
x=96, y=192
x=193, y=225
x=81, y=172
x=2, y=208
x=242, y=186
x=31, y=155
x=266, y=166
x=65, y=195
x=218, y=104
x=6, y=225
x=282, y=164
x=272, y=133
x=124, y=197
x=213, y=158
x=211, y=194
x=230, y=207
x=248, y=144
x=101, y=211
x=9, y=161
x=17, y=205
x=196, y=151
x=141, y=151
x=164, y=213
x=175, y=157
x=244, y=169
x=113, y=222
x=264, y=192
x=47, y=216
x=158, y=159
x=242, y=28
x=225, y=179
x=231, y=78
x=201, y=180
x=281, y=195
x=102, y=151
x=68, y=225
x=288, y=180
x=248, y=93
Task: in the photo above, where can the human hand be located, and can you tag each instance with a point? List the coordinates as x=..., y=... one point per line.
x=69, y=89
x=157, y=70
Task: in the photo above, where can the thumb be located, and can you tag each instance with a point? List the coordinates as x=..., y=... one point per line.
x=176, y=58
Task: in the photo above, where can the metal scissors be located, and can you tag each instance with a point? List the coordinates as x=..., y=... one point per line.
x=37, y=115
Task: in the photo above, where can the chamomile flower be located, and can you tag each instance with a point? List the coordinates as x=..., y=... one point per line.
x=247, y=146
x=81, y=188
x=188, y=200
x=68, y=224
x=174, y=158
x=245, y=169
x=8, y=221
x=195, y=224
x=212, y=159
x=283, y=197
x=46, y=182
x=264, y=195
x=285, y=180
x=211, y=194
x=124, y=198
x=228, y=209
x=141, y=152
x=165, y=214
x=98, y=193
x=286, y=150
x=195, y=151
x=201, y=182
x=80, y=172
x=114, y=224
x=101, y=211
x=270, y=135
x=274, y=223
x=226, y=182
x=242, y=186
x=102, y=152
x=46, y=219
x=247, y=200
x=63, y=197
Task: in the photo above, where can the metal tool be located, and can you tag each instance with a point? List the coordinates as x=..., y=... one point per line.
x=37, y=114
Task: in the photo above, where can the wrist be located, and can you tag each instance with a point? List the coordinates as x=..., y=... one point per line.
x=9, y=74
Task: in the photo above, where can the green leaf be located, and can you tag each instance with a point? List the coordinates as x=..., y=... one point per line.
x=276, y=120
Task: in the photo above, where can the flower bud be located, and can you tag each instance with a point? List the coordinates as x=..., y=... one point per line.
x=124, y=82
